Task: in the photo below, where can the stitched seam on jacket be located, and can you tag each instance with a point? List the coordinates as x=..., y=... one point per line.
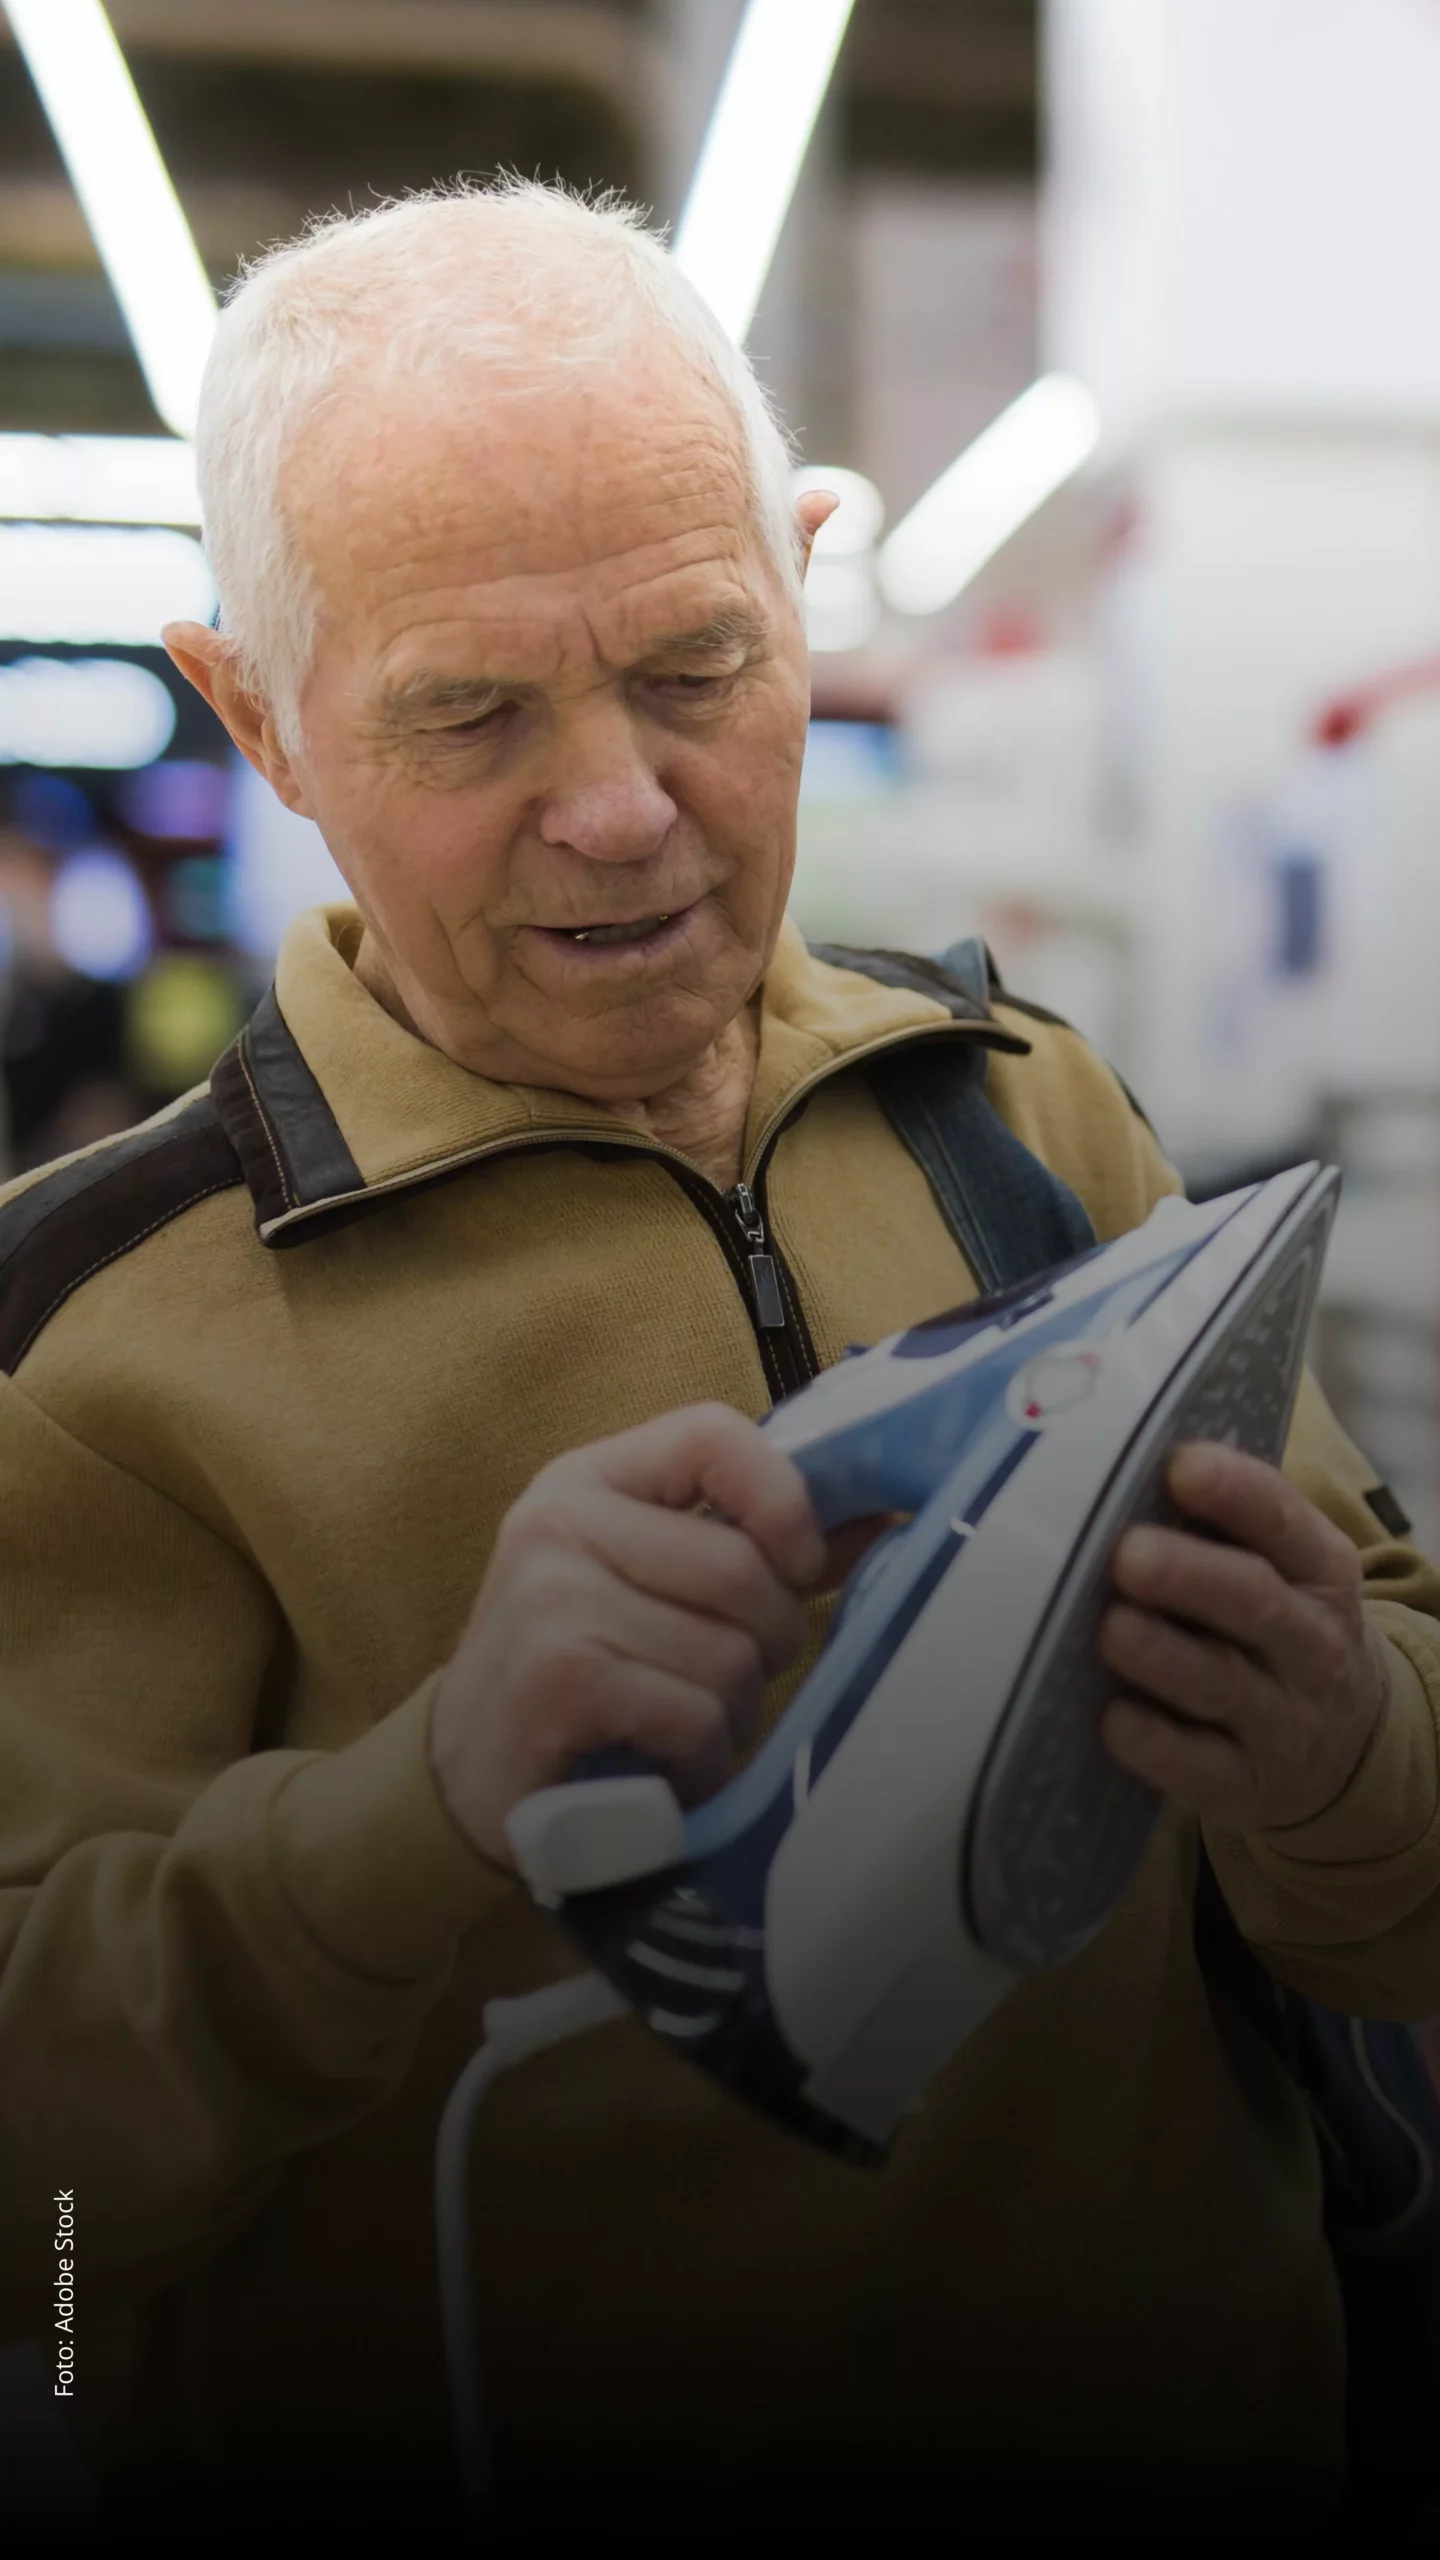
x=116, y=1254
x=287, y=1194
x=792, y=1302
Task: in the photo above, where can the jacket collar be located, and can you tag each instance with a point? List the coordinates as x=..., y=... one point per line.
x=332, y=1106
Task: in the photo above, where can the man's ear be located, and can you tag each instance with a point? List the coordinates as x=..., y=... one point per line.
x=812, y=510
x=203, y=656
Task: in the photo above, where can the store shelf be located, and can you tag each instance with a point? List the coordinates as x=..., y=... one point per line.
x=913, y=863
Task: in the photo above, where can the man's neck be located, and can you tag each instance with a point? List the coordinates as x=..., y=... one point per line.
x=703, y=1115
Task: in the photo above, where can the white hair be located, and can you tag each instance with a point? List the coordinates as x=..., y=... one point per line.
x=452, y=273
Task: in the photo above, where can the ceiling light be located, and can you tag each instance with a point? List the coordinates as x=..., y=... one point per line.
x=105, y=712
x=185, y=1010
x=987, y=494
x=125, y=193
x=777, y=75
x=55, y=814
x=98, y=479
x=183, y=801
x=88, y=583
x=857, y=519
x=100, y=919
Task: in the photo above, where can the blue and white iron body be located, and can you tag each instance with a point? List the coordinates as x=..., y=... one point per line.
x=934, y=1814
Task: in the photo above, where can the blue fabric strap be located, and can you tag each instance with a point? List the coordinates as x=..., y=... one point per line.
x=1011, y=1216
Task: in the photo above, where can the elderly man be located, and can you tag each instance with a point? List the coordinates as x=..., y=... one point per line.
x=544, y=1170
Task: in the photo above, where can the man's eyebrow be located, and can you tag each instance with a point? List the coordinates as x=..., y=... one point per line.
x=733, y=628
x=430, y=694
x=427, y=692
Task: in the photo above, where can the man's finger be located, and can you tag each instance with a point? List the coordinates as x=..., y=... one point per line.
x=1226, y=1591
x=709, y=1453
x=662, y=1716
x=1199, y=1676
x=718, y=1658
x=1252, y=1503
x=1199, y=1767
x=702, y=1565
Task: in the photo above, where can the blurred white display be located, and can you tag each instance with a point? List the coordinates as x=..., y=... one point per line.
x=987, y=493
x=1017, y=742
x=1288, y=908
x=100, y=918
x=849, y=760
x=125, y=192
x=842, y=608
x=1243, y=198
x=281, y=865
x=980, y=811
x=776, y=78
x=104, y=712
x=99, y=479
x=83, y=583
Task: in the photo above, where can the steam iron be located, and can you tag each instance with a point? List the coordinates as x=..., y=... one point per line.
x=934, y=1815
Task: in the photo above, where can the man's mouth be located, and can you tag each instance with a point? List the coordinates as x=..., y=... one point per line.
x=635, y=932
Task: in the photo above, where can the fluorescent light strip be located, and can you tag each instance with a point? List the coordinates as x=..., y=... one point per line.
x=83, y=711
x=776, y=77
x=98, y=479
x=125, y=193
x=988, y=492
x=89, y=583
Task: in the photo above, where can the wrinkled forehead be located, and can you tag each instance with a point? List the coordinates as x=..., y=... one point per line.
x=481, y=477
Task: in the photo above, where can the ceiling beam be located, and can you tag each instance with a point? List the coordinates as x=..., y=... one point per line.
x=975, y=63
x=554, y=39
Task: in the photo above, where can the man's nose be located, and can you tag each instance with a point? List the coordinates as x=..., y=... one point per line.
x=609, y=805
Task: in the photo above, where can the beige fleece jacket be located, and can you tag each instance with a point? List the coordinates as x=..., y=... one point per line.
x=272, y=1381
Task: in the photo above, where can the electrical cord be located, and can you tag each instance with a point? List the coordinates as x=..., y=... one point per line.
x=514, y=2030
x=1419, y=2204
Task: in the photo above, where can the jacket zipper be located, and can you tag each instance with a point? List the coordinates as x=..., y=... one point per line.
x=764, y=1286
x=737, y=1219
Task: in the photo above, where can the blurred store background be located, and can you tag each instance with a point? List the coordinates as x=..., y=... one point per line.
x=1114, y=322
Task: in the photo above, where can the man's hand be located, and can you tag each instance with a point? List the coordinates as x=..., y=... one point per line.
x=1258, y=1648
x=616, y=1611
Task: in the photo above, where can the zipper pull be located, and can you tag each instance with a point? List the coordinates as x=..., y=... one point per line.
x=769, y=1305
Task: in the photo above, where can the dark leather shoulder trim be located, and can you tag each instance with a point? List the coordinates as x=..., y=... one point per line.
x=237, y=1107
x=73, y=1222
x=903, y=969
x=278, y=1120
x=1036, y=1012
x=922, y=977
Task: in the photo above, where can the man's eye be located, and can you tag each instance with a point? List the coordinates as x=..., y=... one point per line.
x=696, y=687
x=478, y=720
